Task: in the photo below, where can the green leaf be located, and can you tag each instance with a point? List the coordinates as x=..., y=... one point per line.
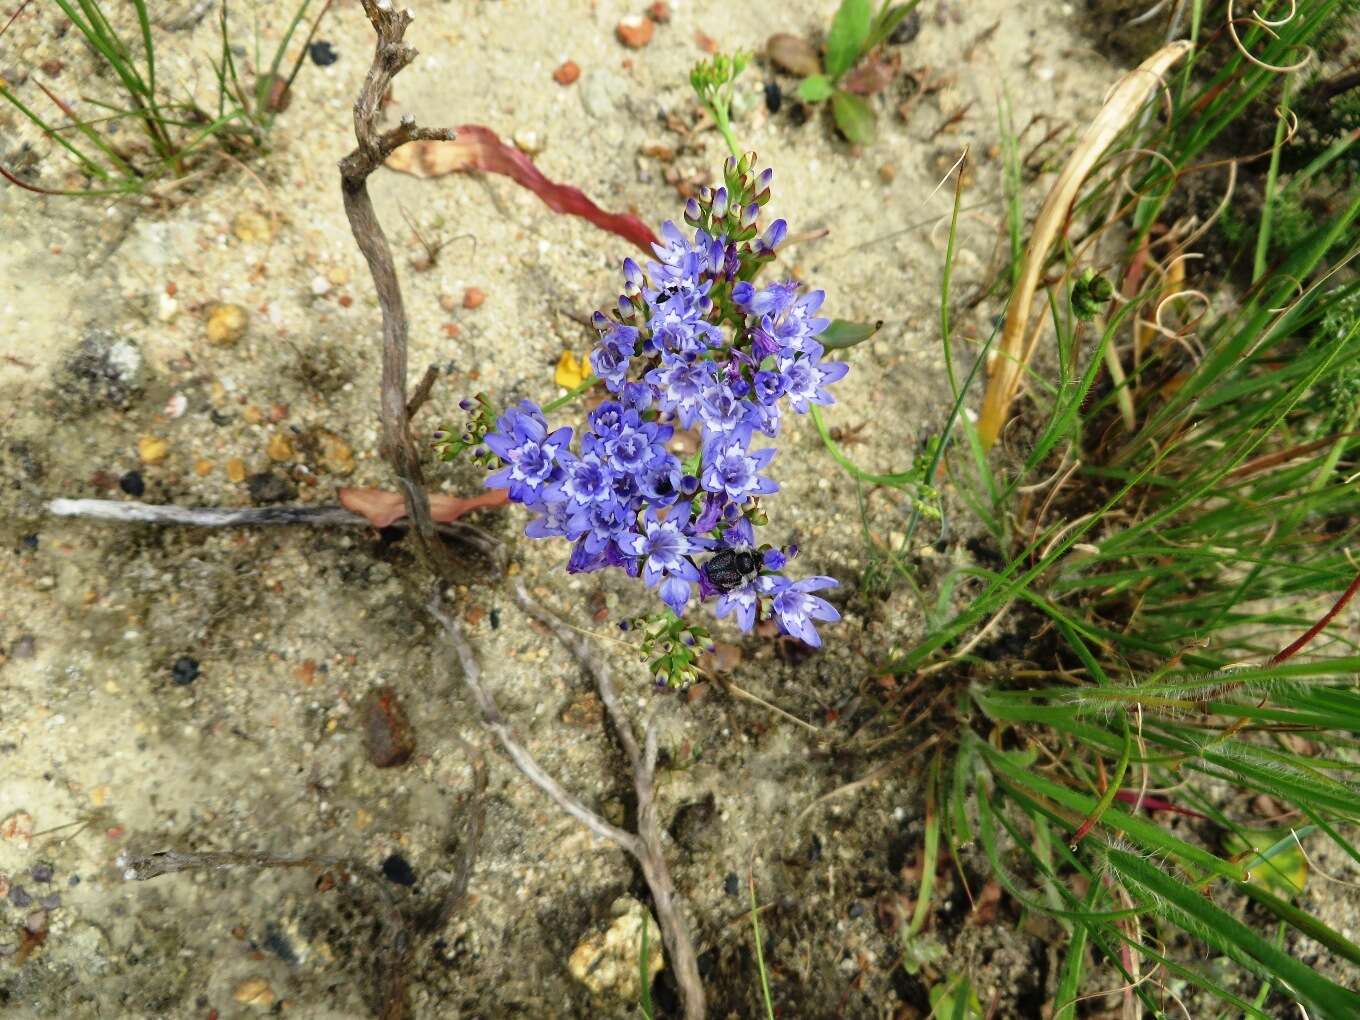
x=955, y=1000
x=842, y=333
x=849, y=32
x=1274, y=859
x=815, y=89
x=854, y=117
x=887, y=21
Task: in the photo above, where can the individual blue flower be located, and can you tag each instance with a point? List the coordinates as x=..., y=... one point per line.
x=552, y=523
x=733, y=470
x=665, y=547
x=533, y=457
x=661, y=481
x=795, y=607
x=796, y=325
x=637, y=443
x=745, y=600
x=806, y=376
x=722, y=411
x=768, y=387
x=601, y=524
x=588, y=480
x=680, y=387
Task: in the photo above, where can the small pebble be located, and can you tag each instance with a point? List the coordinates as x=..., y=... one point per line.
x=731, y=884
x=132, y=484
x=36, y=922
x=202, y=467
x=280, y=448
x=25, y=648
x=254, y=992
x=635, y=31
x=856, y=909
x=322, y=53
x=41, y=872
x=184, y=671
x=18, y=895
x=267, y=487
x=388, y=736
x=18, y=827
x=226, y=324
x=51, y=901
x=397, y=869
x=152, y=449
x=907, y=29
x=236, y=470
x=250, y=226
x=660, y=12
x=336, y=455
x=473, y=297
x=567, y=73
x=448, y=302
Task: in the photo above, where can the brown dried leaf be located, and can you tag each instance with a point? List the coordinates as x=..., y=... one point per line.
x=794, y=54
x=383, y=508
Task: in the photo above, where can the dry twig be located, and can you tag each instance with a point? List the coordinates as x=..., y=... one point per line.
x=374, y=146
x=645, y=846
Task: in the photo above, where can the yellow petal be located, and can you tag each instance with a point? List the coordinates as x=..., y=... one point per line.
x=570, y=371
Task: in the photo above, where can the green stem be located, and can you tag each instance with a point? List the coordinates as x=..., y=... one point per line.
x=723, y=121
x=571, y=394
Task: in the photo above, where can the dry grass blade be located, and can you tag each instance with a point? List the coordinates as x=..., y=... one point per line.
x=1119, y=110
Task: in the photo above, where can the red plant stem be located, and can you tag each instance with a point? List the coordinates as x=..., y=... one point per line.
x=1316, y=628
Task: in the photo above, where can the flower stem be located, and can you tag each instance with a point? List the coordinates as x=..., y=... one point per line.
x=723, y=121
x=571, y=394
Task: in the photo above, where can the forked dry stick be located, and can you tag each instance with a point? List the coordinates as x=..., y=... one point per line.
x=374, y=146
x=645, y=846
x=1119, y=110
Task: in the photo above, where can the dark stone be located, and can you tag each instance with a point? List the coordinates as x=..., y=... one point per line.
x=388, y=736
x=184, y=671
x=51, y=901
x=907, y=29
x=799, y=113
x=132, y=484
x=857, y=909
x=41, y=872
x=731, y=884
x=267, y=487
x=102, y=369
x=29, y=542
x=18, y=895
x=322, y=53
x=695, y=826
x=25, y=648
x=397, y=869
x=277, y=943
x=774, y=96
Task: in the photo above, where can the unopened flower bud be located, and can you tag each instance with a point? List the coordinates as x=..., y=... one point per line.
x=749, y=214
x=720, y=203
x=693, y=214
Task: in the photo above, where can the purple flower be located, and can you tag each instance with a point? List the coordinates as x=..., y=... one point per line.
x=636, y=443
x=722, y=411
x=680, y=386
x=745, y=600
x=805, y=377
x=533, y=458
x=795, y=608
x=731, y=469
x=601, y=524
x=589, y=480
x=769, y=387
x=665, y=547
x=553, y=523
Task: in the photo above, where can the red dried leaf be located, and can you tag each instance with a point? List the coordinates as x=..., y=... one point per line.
x=479, y=148
x=1150, y=803
x=383, y=508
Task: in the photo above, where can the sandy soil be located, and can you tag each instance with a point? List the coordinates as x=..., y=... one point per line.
x=109, y=755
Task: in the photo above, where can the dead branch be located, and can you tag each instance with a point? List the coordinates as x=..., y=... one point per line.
x=390, y=56
x=645, y=846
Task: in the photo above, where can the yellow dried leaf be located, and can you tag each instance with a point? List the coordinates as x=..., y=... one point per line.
x=571, y=371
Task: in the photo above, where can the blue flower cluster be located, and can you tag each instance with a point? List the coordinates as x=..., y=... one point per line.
x=694, y=342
